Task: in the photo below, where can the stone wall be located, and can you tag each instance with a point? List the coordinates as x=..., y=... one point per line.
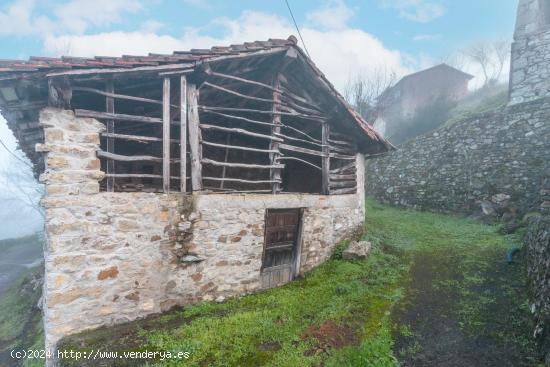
x=115, y=257
x=530, y=66
x=490, y=160
x=537, y=244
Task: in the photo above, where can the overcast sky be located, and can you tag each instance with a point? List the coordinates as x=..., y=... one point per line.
x=344, y=37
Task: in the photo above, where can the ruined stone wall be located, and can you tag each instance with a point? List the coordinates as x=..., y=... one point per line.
x=115, y=257
x=487, y=159
x=530, y=67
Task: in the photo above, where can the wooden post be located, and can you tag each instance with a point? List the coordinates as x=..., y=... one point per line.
x=275, y=173
x=166, y=135
x=183, y=134
x=194, y=139
x=325, y=160
x=110, y=108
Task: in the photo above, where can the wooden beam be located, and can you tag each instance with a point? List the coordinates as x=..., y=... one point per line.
x=275, y=173
x=239, y=131
x=300, y=160
x=237, y=147
x=240, y=118
x=241, y=165
x=126, y=158
x=232, y=92
x=166, y=135
x=139, y=175
x=194, y=139
x=222, y=179
x=110, y=108
x=347, y=167
x=183, y=133
x=350, y=190
x=138, y=138
x=118, y=96
x=251, y=110
x=325, y=160
x=116, y=116
x=342, y=184
x=334, y=177
x=120, y=70
x=301, y=150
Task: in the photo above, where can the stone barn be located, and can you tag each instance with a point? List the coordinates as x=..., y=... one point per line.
x=198, y=175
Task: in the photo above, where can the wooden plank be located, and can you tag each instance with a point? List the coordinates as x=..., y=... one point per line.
x=166, y=135
x=325, y=160
x=342, y=156
x=116, y=116
x=242, y=80
x=194, y=140
x=183, y=133
x=334, y=177
x=301, y=150
x=240, y=131
x=110, y=108
x=240, y=118
x=347, y=167
x=351, y=190
x=237, y=147
x=303, y=133
x=138, y=138
x=241, y=165
x=120, y=70
x=139, y=175
x=233, y=109
x=222, y=179
x=300, y=160
x=342, y=184
x=126, y=158
x=117, y=96
x=232, y=92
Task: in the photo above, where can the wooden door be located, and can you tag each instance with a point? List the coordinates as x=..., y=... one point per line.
x=281, y=246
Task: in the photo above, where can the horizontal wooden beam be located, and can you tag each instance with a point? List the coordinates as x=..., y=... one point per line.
x=120, y=70
x=342, y=184
x=342, y=156
x=241, y=165
x=343, y=177
x=347, y=167
x=116, y=116
x=138, y=175
x=351, y=190
x=118, y=96
x=300, y=160
x=239, y=180
x=301, y=150
x=237, y=147
x=240, y=118
x=126, y=158
x=232, y=92
x=239, y=131
x=138, y=138
x=268, y=112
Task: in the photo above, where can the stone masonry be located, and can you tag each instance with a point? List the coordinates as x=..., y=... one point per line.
x=530, y=64
x=482, y=159
x=115, y=257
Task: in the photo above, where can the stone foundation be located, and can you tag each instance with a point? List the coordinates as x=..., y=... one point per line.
x=116, y=257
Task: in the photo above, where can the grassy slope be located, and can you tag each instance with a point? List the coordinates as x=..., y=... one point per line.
x=20, y=319
x=270, y=328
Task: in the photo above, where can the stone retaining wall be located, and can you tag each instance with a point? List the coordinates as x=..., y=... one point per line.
x=489, y=159
x=115, y=257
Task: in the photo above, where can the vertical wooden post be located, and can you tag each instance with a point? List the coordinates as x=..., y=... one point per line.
x=110, y=108
x=183, y=134
x=275, y=173
x=166, y=135
x=325, y=161
x=194, y=136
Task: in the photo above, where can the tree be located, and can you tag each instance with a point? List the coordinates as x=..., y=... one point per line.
x=491, y=57
x=362, y=91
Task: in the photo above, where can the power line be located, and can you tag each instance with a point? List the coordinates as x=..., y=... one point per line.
x=13, y=154
x=297, y=29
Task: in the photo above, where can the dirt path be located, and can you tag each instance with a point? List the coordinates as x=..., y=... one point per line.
x=463, y=309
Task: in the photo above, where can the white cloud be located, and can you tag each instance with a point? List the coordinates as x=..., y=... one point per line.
x=333, y=15
x=337, y=52
x=78, y=15
x=421, y=11
x=17, y=20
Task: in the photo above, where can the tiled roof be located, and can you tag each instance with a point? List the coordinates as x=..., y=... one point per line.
x=69, y=62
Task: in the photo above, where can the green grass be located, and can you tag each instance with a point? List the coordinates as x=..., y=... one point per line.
x=20, y=319
x=268, y=328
